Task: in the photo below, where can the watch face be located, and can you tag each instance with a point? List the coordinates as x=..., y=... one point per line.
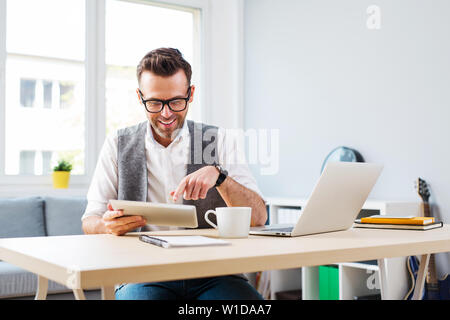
x=221, y=170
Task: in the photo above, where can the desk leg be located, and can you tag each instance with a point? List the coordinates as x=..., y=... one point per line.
x=108, y=293
x=420, y=281
x=79, y=294
x=42, y=288
x=382, y=270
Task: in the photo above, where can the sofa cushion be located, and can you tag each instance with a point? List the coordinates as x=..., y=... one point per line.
x=15, y=281
x=63, y=215
x=22, y=217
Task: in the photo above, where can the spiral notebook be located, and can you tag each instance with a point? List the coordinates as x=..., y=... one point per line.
x=182, y=241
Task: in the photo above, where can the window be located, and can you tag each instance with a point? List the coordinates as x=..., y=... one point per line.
x=66, y=94
x=27, y=92
x=45, y=72
x=47, y=162
x=31, y=92
x=48, y=87
x=27, y=159
x=62, y=91
x=142, y=28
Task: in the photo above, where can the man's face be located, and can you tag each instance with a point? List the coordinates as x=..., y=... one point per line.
x=165, y=123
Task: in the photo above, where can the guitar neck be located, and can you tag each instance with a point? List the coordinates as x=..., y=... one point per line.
x=426, y=209
x=432, y=278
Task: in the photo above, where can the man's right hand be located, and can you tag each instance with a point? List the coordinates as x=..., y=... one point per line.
x=115, y=223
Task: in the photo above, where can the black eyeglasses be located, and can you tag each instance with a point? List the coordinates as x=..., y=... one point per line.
x=157, y=105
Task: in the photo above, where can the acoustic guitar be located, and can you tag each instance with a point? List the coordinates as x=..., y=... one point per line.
x=434, y=289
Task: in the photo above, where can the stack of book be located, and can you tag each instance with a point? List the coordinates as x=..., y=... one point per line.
x=391, y=222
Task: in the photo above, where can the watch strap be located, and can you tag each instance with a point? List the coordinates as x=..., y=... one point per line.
x=222, y=175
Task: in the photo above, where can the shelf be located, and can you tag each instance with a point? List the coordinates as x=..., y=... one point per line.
x=391, y=206
x=360, y=265
x=355, y=278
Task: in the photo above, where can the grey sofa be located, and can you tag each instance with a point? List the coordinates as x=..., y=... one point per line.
x=35, y=217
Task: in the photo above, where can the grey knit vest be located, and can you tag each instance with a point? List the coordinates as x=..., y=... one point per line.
x=132, y=165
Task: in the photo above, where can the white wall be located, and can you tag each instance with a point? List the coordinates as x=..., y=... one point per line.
x=315, y=71
x=225, y=60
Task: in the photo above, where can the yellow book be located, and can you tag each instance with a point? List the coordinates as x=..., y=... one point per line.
x=398, y=220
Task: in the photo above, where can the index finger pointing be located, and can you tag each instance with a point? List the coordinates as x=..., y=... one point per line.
x=180, y=189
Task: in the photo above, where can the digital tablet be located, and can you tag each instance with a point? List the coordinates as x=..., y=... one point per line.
x=159, y=214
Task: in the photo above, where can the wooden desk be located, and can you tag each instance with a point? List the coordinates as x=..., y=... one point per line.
x=92, y=261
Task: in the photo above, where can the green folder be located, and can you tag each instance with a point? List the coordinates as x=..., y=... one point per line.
x=328, y=283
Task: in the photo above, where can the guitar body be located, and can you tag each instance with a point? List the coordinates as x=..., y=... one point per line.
x=434, y=289
x=444, y=288
x=430, y=292
x=412, y=264
x=441, y=291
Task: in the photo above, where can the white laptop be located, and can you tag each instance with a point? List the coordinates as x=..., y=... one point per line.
x=334, y=203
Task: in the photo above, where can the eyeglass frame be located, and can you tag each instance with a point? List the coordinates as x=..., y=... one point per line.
x=165, y=102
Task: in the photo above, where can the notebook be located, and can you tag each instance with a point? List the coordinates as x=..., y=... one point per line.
x=182, y=241
x=411, y=220
x=430, y=226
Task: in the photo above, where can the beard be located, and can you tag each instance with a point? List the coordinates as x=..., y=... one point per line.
x=168, y=132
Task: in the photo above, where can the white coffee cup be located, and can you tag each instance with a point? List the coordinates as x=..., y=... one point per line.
x=232, y=222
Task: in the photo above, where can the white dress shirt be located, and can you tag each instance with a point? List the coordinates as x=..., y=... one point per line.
x=166, y=167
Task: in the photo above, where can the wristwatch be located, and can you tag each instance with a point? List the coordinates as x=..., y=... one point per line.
x=222, y=175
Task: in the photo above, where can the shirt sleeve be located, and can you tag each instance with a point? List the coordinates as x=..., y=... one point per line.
x=232, y=158
x=104, y=181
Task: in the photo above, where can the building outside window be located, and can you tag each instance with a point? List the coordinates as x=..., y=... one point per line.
x=27, y=160
x=39, y=115
x=45, y=103
x=48, y=87
x=27, y=92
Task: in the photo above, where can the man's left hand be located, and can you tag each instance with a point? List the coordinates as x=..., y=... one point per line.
x=196, y=185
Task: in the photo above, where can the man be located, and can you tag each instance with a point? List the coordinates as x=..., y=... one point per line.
x=169, y=159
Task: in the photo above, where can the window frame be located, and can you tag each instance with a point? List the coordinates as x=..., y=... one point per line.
x=95, y=73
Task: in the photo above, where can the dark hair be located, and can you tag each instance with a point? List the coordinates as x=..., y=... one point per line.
x=164, y=62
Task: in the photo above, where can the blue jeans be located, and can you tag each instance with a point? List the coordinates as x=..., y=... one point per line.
x=214, y=288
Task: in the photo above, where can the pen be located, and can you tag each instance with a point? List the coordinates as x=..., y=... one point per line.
x=158, y=242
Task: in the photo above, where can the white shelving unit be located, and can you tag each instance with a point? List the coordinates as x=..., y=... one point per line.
x=355, y=278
